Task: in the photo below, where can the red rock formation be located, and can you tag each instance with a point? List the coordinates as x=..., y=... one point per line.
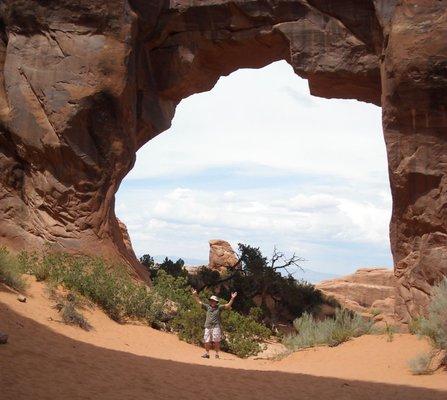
x=83, y=84
x=365, y=291
x=222, y=256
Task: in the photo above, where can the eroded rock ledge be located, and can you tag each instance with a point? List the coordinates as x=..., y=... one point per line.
x=369, y=291
x=84, y=84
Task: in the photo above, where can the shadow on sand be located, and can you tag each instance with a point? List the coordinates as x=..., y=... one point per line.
x=41, y=364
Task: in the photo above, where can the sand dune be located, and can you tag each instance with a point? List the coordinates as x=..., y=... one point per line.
x=46, y=359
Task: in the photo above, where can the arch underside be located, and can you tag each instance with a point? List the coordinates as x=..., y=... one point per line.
x=84, y=84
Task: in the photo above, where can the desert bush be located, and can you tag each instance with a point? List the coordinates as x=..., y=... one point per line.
x=243, y=335
x=169, y=304
x=71, y=316
x=388, y=330
x=108, y=286
x=414, y=326
x=434, y=325
x=260, y=282
x=10, y=271
x=330, y=331
x=69, y=306
x=420, y=365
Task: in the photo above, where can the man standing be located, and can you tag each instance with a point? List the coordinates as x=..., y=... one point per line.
x=213, y=330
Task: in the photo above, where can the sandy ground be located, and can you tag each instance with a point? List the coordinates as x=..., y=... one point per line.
x=46, y=359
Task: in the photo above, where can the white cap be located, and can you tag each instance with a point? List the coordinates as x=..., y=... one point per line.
x=214, y=298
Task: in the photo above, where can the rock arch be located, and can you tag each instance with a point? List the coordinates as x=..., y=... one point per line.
x=84, y=84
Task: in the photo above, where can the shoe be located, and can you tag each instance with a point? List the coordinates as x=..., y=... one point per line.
x=217, y=356
x=206, y=355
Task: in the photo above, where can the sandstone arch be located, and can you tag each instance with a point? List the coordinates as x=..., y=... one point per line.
x=83, y=84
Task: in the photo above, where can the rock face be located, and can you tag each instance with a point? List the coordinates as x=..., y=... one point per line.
x=222, y=255
x=84, y=84
x=364, y=291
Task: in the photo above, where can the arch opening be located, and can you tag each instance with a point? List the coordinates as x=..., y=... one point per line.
x=259, y=160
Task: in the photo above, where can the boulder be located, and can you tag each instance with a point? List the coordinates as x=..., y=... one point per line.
x=222, y=256
x=21, y=298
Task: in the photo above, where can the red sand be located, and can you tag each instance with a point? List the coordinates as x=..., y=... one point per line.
x=46, y=359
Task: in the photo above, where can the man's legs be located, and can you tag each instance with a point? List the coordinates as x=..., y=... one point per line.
x=207, y=347
x=217, y=336
x=217, y=348
x=207, y=340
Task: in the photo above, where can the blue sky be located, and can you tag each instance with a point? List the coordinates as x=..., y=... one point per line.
x=258, y=160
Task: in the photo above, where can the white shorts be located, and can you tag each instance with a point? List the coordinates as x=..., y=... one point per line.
x=212, y=334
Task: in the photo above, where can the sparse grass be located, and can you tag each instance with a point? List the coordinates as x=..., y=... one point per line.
x=390, y=330
x=10, y=271
x=71, y=316
x=332, y=332
x=281, y=355
x=375, y=312
x=69, y=306
x=168, y=305
x=434, y=326
x=108, y=286
x=420, y=365
x=414, y=326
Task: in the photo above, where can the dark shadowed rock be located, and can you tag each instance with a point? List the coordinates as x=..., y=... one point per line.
x=3, y=338
x=84, y=84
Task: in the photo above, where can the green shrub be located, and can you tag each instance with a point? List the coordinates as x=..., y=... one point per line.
x=169, y=304
x=390, y=330
x=420, y=365
x=243, y=335
x=108, y=286
x=10, y=271
x=332, y=332
x=434, y=325
x=414, y=326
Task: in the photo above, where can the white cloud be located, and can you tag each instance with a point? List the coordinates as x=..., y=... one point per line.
x=195, y=216
x=312, y=202
x=250, y=118
x=258, y=160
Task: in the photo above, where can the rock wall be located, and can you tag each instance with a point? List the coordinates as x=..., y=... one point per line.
x=84, y=84
x=369, y=291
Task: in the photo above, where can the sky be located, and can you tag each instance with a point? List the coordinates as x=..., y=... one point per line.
x=258, y=160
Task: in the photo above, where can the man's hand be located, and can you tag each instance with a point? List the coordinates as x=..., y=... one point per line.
x=196, y=296
x=230, y=303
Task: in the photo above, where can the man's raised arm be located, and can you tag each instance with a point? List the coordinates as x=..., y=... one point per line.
x=230, y=303
x=196, y=297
